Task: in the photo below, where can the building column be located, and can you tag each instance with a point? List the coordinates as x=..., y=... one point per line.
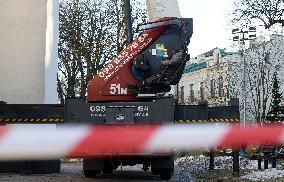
x=51, y=53
x=162, y=8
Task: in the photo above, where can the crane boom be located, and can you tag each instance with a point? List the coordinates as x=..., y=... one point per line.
x=139, y=68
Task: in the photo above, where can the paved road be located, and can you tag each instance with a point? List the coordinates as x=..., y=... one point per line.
x=73, y=172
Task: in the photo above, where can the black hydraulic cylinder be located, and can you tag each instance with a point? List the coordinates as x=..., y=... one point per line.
x=236, y=162
x=211, y=161
x=265, y=163
x=274, y=162
x=129, y=22
x=259, y=164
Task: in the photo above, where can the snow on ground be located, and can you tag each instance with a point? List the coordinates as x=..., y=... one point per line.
x=264, y=175
x=195, y=164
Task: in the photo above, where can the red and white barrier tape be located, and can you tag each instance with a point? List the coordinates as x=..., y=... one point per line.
x=82, y=141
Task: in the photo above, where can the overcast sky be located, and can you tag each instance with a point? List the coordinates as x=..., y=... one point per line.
x=210, y=20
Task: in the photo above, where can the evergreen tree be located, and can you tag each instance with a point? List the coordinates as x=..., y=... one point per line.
x=275, y=100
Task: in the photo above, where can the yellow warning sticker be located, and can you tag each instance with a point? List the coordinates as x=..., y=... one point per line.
x=211, y=120
x=160, y=51
x=31, y=120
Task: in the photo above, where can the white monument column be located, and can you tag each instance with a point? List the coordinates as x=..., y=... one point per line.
x=162, y=8
x=22, y=51
x=51, y=53
x=28, y=51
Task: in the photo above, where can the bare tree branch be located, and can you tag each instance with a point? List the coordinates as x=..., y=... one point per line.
x=90, y=33
x=269, y=12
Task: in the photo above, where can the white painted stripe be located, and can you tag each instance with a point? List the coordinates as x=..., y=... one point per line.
x=185, y=137
x=31, y=143
x=39, y=143
x=281, y=140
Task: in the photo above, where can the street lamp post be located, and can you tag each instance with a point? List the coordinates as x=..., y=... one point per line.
x=242, y=37
x=129, y=22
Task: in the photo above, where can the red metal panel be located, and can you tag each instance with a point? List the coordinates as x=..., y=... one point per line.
x=112, y=82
